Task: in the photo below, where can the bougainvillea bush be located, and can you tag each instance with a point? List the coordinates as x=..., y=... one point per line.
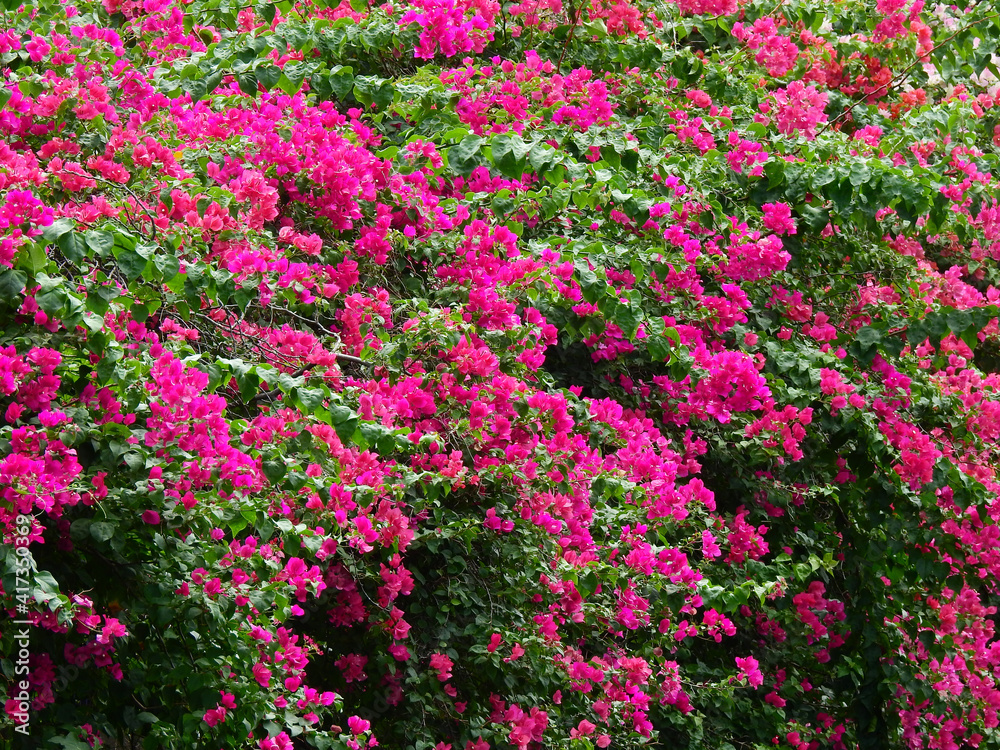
x=454, y=374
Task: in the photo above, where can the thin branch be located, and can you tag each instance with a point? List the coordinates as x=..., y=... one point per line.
x=349, y=358
x=135, y=197
x=574, y=18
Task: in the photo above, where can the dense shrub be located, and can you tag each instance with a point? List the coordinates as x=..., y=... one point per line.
x=456, y=374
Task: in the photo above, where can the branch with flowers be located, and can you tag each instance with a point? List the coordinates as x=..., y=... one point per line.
x=449, y=374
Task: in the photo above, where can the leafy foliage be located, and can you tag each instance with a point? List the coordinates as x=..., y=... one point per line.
x=465, y=374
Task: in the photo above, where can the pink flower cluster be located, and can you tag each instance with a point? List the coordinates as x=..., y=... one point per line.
x=797, y=109
x=775, y=51
x=451, y=27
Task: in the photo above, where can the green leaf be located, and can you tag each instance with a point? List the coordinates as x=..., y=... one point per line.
x=268, y=75
x=248, y=383
x=868, y=336
x=248, y=83
x=309, y=398
x=611, y=156
x=53, y=298
x=337, y=83
x=243, y=298
x=131, y=263
x=374, y=90
x=958, y=321
x=167, y=265
x=102, y=531
x=541, y=156
x=658, y=348
x=99, y=241
x=842, y=194
x=197, y=88
x=288, y=85
x=591, y=286
x=865, y=344
x=587, y=584
x=32, y=258
x=823, y=176
x=57, y=229
x=917, y=333
x=860, y=174
x=345, y=422
x=68, y=741
x=815, y=217
x=508, y=154
x=12, y=282
x=74, y=247
x=106, y=367
x=628, y=319
x=462, y=158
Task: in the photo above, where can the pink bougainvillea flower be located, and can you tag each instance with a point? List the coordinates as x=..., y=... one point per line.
x=750, y=670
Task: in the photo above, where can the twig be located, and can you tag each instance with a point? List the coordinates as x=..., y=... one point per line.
x=349, y=358
x=135, y=197
x=574, y=19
